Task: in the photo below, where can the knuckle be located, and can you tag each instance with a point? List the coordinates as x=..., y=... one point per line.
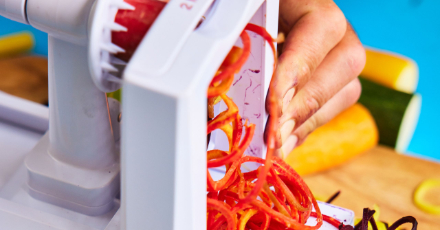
x=356, y=58
x=312, y=102
x=302, y=134
x=299, y=69
x=309, y=126
x=356, y=90
x=307, y=66
x=352, y=92
x=337, y=20
x=313, y=124
x=315, y=98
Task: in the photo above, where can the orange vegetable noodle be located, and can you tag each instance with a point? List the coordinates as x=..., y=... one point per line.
x=271, y=197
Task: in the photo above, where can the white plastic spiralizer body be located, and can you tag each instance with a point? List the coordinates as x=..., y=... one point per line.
x=164, y=102
x=164, y=123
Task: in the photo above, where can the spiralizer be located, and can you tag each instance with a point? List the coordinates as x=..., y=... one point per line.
x=72, y=177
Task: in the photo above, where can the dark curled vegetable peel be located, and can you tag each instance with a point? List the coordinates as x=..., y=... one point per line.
x=368, y=217
x=404, y=220
x=333, y=197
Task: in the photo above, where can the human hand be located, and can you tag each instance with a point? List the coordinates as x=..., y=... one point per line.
x=316, y=77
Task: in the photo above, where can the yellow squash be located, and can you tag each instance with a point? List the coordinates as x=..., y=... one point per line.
x=14, y=44
x=391, y=70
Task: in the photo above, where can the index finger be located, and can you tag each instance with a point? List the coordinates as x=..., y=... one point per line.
x=315, y=28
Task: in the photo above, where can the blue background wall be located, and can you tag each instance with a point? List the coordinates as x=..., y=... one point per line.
x=411, y=28
x=408, y=27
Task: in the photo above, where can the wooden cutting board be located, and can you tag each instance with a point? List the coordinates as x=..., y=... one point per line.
x=383, y=177
x=25, y=77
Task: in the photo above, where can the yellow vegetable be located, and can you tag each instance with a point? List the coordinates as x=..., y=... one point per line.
x=377, y=213
x=14, y=44
x=349, y=134
x=391, y=70
x=420, y=192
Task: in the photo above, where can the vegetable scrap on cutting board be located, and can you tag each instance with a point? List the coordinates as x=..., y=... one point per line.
x=382, y=177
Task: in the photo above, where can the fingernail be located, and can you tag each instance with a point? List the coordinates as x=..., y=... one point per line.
x=287, y=129
x=289, y=144
x=287, y=98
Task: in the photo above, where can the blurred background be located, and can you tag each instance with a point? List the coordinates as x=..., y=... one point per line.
x=410, y=28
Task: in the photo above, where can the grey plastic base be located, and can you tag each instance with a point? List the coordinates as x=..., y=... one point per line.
x=87, y=191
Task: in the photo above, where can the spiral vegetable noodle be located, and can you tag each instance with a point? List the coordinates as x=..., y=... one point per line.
x=271, y=197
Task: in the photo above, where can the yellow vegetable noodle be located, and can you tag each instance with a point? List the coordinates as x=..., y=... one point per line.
x=419, y=196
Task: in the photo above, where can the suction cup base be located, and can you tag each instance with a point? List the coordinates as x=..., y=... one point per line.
x=86, y=191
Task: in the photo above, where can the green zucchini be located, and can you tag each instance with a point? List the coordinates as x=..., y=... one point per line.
x=396, y=113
